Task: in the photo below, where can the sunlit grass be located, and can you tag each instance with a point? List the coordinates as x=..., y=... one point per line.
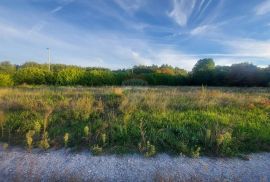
x=178, y=120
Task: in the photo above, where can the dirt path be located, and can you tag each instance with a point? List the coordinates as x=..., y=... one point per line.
x=61, y=165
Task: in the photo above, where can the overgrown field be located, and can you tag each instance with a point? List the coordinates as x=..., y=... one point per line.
x=177, y=120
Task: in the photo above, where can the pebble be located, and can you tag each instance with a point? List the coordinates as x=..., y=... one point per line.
x=63, y=165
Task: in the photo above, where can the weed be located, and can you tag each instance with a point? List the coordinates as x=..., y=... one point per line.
x=97, y=150
x=44, y=143
x=29, y=139
x=66, y=139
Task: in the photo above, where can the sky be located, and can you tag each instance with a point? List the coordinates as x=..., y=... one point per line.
x=122, y=33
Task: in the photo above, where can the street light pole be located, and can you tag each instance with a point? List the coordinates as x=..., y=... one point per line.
x=49, y=58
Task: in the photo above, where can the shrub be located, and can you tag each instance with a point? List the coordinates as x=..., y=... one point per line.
x=134, y=82
x=30, y=75
x=98, y=77
x=70, y=76
x=5, y=80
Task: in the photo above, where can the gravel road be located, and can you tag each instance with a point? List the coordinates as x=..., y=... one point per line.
x=62, y=165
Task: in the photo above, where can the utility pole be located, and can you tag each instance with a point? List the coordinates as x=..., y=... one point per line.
x=49, y=58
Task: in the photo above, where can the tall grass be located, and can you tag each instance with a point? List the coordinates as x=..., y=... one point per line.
x=189, y=120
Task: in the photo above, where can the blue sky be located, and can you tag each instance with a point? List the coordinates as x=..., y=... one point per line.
x=122, y=33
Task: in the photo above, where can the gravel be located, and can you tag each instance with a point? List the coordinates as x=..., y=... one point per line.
x=62, y=165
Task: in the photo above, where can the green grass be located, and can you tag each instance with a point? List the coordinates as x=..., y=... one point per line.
x=177, y=120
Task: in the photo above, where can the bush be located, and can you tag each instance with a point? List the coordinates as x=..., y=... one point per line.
x=5, y=80
x=69, y=76
x=134, y=82
x=30, y=75
x=98, y=78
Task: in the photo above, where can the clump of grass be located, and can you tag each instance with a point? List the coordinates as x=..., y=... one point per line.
x=44, y=143
x=29, y=139
x=196, y=153
x=97, y=150
x=150, y=149
x=66, y=139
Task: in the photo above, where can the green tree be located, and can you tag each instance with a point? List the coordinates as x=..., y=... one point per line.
x=221, y=75
x=202, y=73
x=244, y=74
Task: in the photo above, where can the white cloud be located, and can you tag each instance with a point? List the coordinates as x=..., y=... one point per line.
x=140, y=59
x=203, y=29
x=55, y=10
x=181, y=11
x=129, y=6
x=249, y=47
x=263, y=8
x=205, y=7
x=176, y=58
x=201, y=5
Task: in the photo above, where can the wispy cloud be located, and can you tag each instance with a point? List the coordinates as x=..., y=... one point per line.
x=263, y=8
x=129, y=6
x=55, y=10
x=123, y=33
x=181, y=11
x=203, y=8
x=203, y=30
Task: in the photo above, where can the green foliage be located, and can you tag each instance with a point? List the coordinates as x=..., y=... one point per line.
x=97, y=150
x=5, y=80
x=193, y=121
x=202, y=72
x=244, y=74
x=98, y=78
x=30, y=75
x=134, y=82
x=69, y=76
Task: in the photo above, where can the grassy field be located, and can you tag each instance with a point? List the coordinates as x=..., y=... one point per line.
x=177, y=120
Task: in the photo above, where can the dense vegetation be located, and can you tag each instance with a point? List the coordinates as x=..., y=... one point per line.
x=204, y=73
x=186, y=120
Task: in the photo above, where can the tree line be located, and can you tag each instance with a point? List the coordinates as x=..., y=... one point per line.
x=205, y=72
